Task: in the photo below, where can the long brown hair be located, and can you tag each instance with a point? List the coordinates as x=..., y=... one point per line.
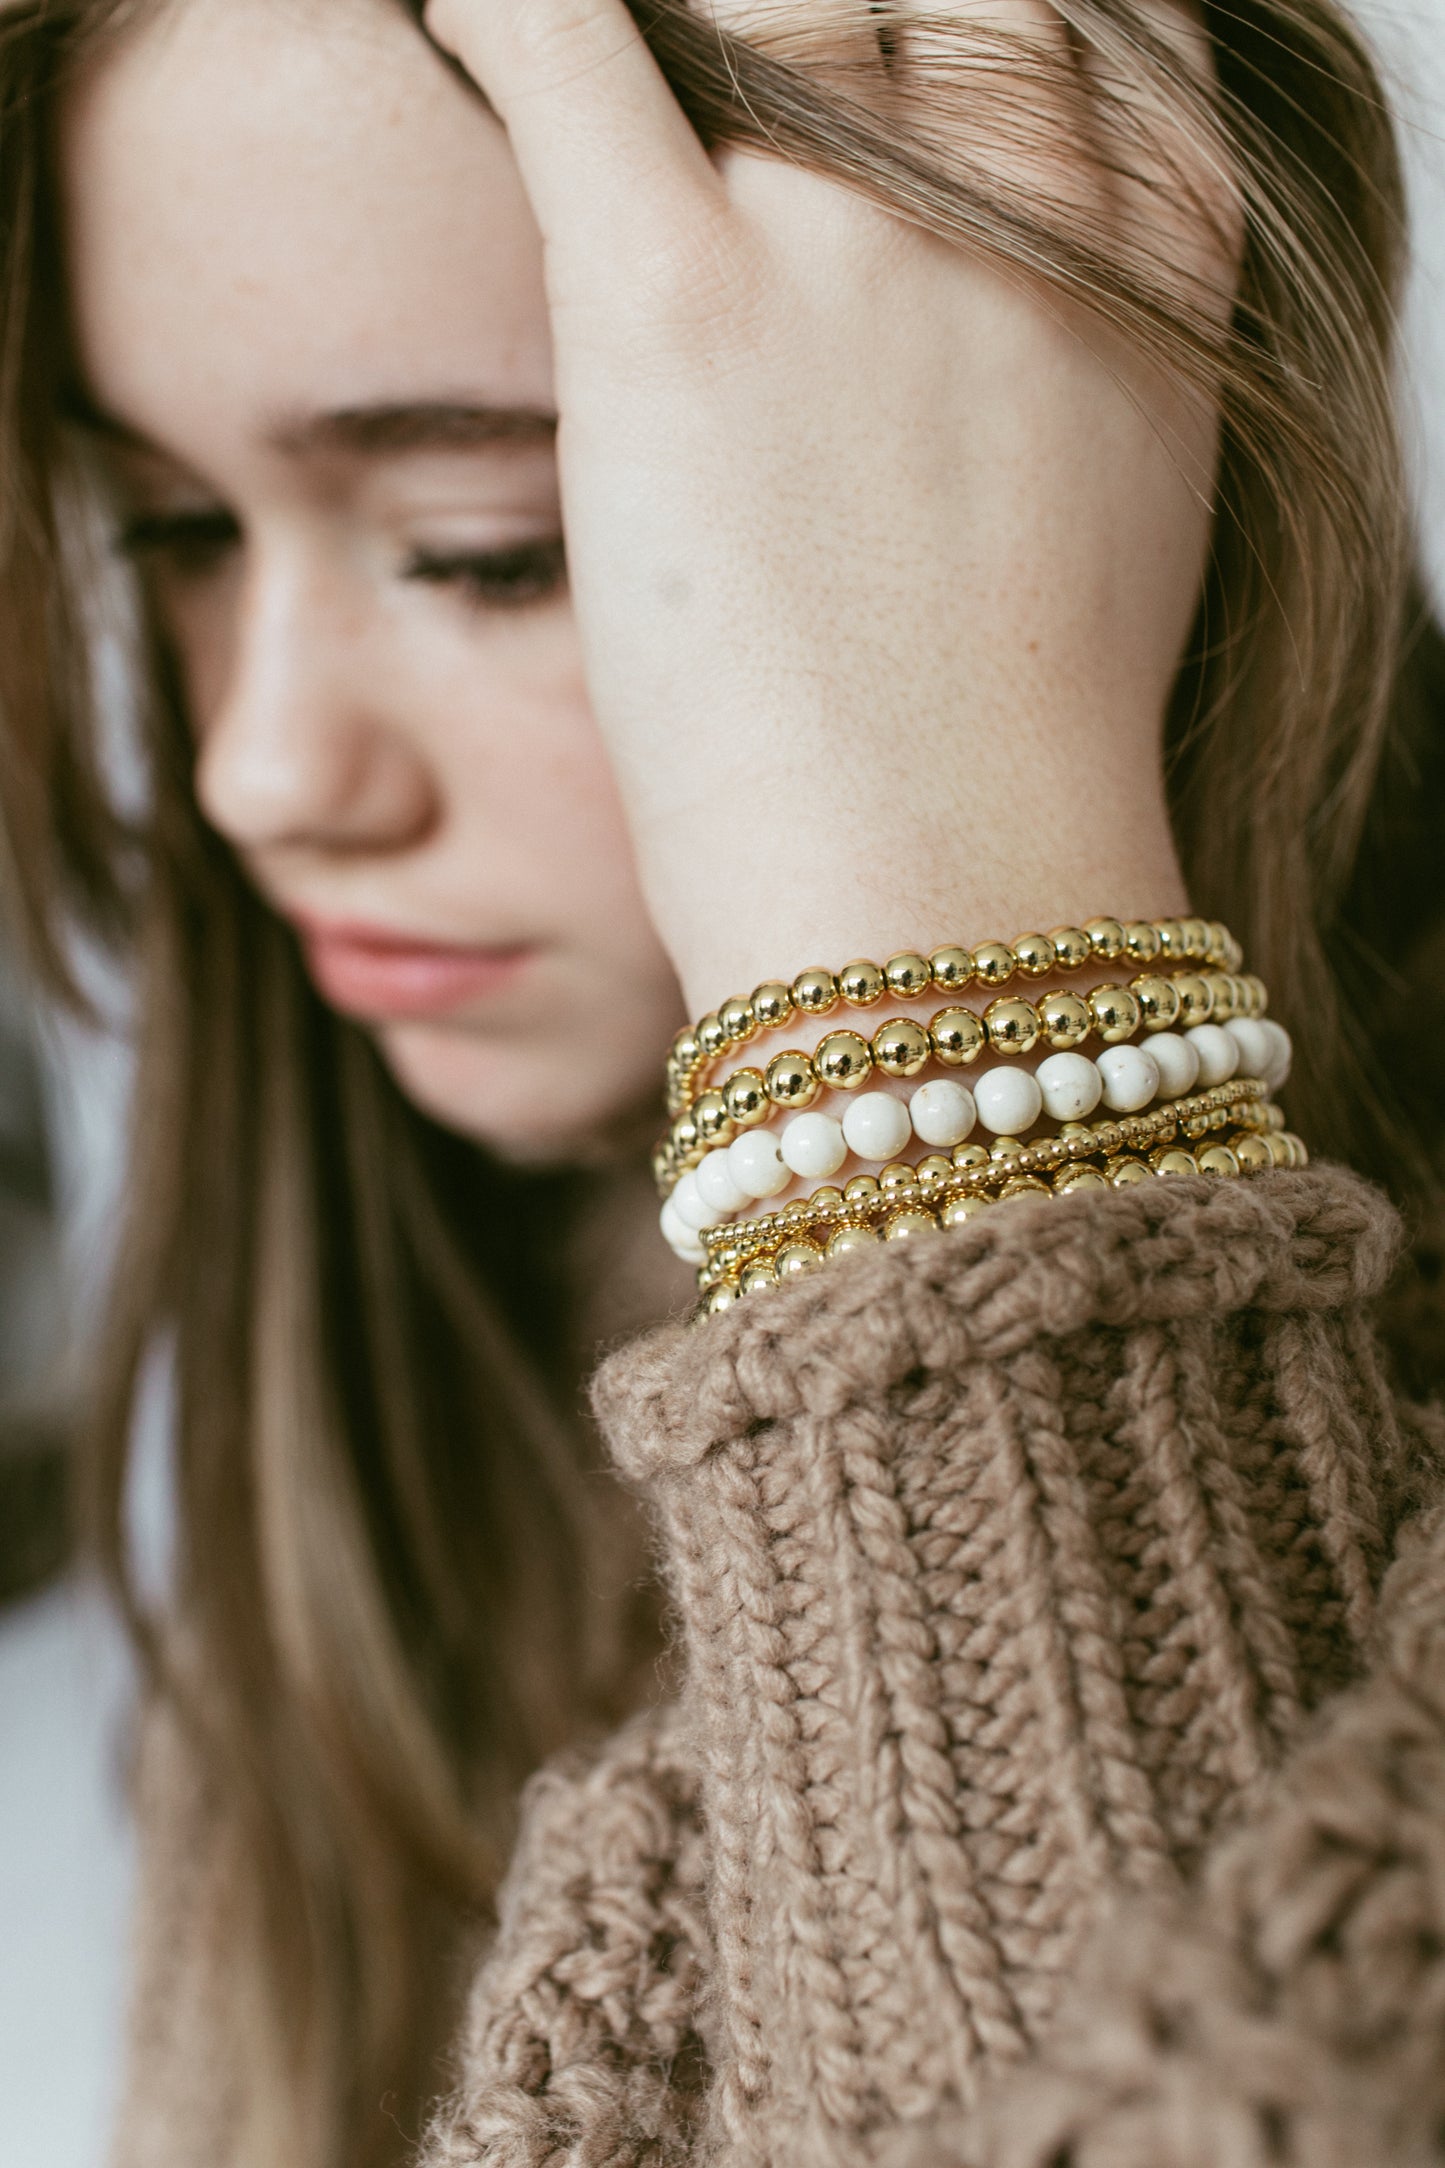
x=383, y=1503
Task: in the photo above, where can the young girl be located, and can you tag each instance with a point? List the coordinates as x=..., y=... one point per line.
x=970, y=430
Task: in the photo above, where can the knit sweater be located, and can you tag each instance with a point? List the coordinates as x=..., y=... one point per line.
x=1058, y=1774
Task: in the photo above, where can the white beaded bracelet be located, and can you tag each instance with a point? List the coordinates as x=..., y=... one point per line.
x=1006, y=1100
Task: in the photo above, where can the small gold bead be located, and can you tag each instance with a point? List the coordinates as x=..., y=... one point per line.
x=963, y=1209
x=815, y=992
x=1065, y=1019
x=790, y=1080
x=1124, y=1173
x=861, y=983
x=1173, y=1160
x=771, y=1004
x=1106, y=937
x=753, y=1278
x=1078, y=1178
x=1004, y=1149
x=1218, y=1160
x=1253, y=1154
x=901, y=1047
x=851, y=1238
x=897, y=1179
x=796, y=1259
x=1107, y=1137
x=1158, y=1000
x=1171, y=939
x=1035, y=953
x=1072, y=947
x=737, y=1020
x=908, y=974
x=843, y=1060
x=1196, y=999
x=901, y=1226
x=710, y=1112
x=710, y=1035
x=1012, y=1025
x=957, y=1037
x=936, y=1167
x=1115, y=1013
x=994, y=964
x=1141, y=941
x=684, y=1136
x=685, y=1050
x=722, y=1298
x=746, y=1094
x=952, y=967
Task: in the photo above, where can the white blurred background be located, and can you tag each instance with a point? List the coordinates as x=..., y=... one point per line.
x=65, y=1852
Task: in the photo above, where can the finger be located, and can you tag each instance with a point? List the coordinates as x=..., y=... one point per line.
x=602, y=143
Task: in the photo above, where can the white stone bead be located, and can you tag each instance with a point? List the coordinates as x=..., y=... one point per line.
x=1177, y=1063
x=688, y=1202
x=757, y=1163
x=1250, y=1036
x=877, y=1126
x=1071, y=1085
x=943, y=1113
x=1130, y=1077
x=681, y=1238
x=1218, y=1054
x=813, y=1145
x=1281, y=1055
x=719, y=1186
x=1008, y=1100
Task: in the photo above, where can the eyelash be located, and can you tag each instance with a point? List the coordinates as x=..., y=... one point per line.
x=527, y=572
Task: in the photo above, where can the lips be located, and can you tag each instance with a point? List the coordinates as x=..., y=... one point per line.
x=380, y=975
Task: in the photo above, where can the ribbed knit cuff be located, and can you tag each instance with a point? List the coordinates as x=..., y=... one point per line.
x=1006, y=1563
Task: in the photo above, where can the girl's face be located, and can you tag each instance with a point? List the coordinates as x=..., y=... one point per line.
x=310, y=321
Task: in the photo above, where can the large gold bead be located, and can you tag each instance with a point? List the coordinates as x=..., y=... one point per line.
x=815, y=992
x=966, y=1156
x=1072, y=947
x=722, y=1298
x=684, y=1136
x=825, y=1201
x=1141, y=941
x=848, y=1239
x=933, y=1168
x=843, y=1060
x=957, y=1036
x=737, y=1020
x=908, y=974
x=1003, y=1149
x=771, y=1003
x=710, y=1112
x=994, y=964
x=1158, y=1000
x=952, y=967
x=1227, y=996
x=685, y=1051
x=1035, y=953
x=664, y=1167
x=1217, y=1160
x=746, y=1094
x=790, y=1080
x=1106, y=937
x=1277, y=1142
x=1124, y=1173
x=710, y=1034
x=1171, y=939
x=1065, y=1019
x=1173, y=1160
x=1196, y=936
x=1218, y=953
x=1025, y=1185
x=795, y=1259
x=861, y=983
x=962, y=1210
x=902, y=1226
x=1115, y=1013
x=861, y=1190
x=1299, y=1150
x=901, y=1047
x=754, y=1278
x=1012, y=1025
x=1196, y=998
x=897, y=1179
x=1253, y=1154
x=1078, y=1178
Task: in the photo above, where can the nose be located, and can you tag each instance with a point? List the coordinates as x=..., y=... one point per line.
x=299, y=744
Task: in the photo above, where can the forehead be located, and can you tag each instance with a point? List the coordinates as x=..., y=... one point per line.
x=272, y=206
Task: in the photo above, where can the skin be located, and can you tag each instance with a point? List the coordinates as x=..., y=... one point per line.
x=880, y=568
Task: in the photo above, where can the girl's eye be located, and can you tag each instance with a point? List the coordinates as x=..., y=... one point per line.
x=495, y=579
x=185, y=542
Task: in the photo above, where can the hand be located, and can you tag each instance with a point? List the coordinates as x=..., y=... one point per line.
x=882, y=563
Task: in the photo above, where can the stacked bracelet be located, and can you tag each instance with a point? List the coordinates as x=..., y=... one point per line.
x=907, y=975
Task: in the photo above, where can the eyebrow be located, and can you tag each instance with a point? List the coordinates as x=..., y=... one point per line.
x=386, y=429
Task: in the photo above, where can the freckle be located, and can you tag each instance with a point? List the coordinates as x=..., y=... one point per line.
x=674, y=589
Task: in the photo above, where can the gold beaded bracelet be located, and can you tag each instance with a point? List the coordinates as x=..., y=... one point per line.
x=990, y=965
x=831, y=1224
x=901, y=1047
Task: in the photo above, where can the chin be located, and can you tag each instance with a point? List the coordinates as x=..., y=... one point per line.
x=515, y=1102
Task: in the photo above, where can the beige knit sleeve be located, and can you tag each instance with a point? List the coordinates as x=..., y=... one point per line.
x=1009, y=1567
